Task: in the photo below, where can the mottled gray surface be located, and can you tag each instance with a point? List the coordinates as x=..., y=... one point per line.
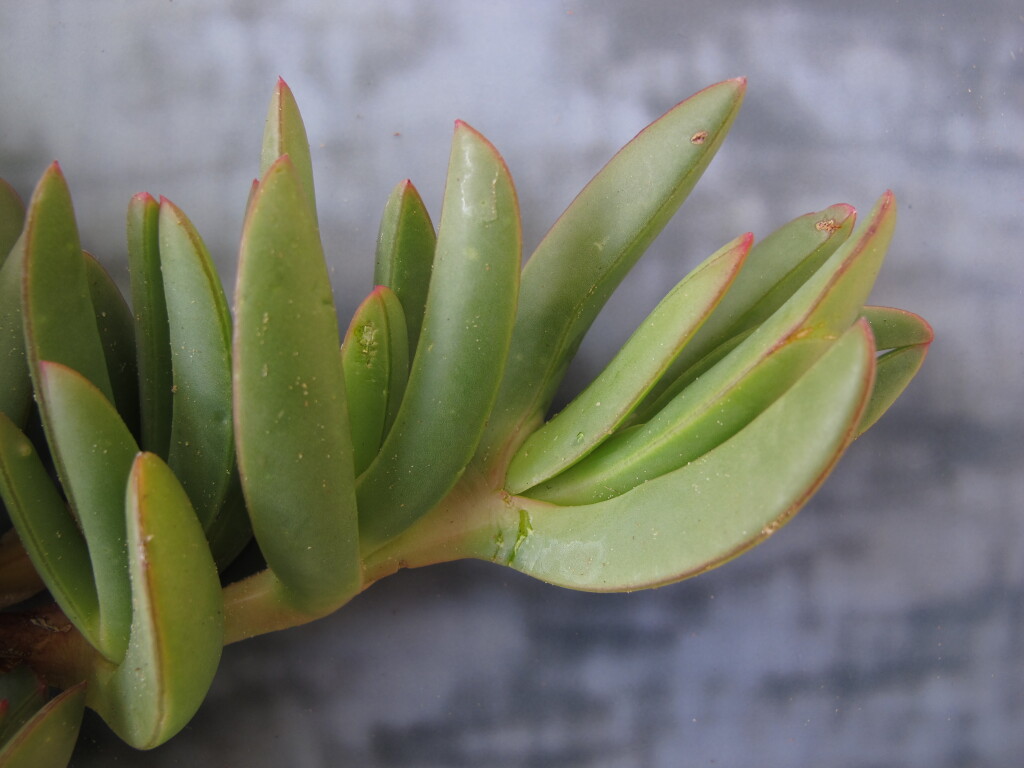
x=884, y=627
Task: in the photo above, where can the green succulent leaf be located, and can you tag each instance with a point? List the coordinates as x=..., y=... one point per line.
x=93, y=451
x=48, y=738
x=596, y=412
x=117, y=333
x=592, y=246
x=776, y=267
x=294, y=450
x=903, y=339
x=15, y=381
x=48, y=531
x=12, y=219
x=202, y=451
x=152, y=333
x=462, y=349
x=59, y=317
x=285, y=134
x=712, y=509
x=405, y=254
x=375, y=358
x=177, y=625
x=721, y=401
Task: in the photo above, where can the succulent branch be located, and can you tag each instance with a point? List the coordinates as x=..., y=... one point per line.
x=143, y=448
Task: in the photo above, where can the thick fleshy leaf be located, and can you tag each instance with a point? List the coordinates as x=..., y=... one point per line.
x=375, y=358
x=116, y=327
x=202, y=450
x=717, y=404
x=462, y=348
x=12, y=218
x=177, y=626
x=405, y=254
x=48, y=738
x=903, y=339
x=709, y=511
x=152, y=336
x=696, y=422
x=593, y=245
x=285, y=134
x=48, y=531
x=15, y=382
x=597, y=411
x=291, y=422
x=93, y=451
x=776, y=267
x=59, y=318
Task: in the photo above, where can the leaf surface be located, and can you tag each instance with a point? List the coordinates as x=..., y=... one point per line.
x=462, y=348
x=405, y=254
x=202, y=449
x=597, y=411
x=291, y=421
x=48, y=531
x=152, y=334
x=710, y=510
x=592, y=246
x=177, y=616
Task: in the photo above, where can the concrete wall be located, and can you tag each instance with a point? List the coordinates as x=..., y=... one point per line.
x=884, y=627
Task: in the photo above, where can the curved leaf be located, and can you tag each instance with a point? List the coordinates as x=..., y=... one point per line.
x=776, y=267
x=152, y=335
x=709, y=511
x=93, y=451
x=294, y=451
x=48, y=738
x=593, y=245
x=375, y=358
x=405, y=254
x=59, y=318
x=462, y=348
x=48, y=531
x=596, y=412
x=903, y=338
x=177, y=629
x=202, y=450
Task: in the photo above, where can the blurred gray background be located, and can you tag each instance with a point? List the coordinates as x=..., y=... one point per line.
x=883, y=627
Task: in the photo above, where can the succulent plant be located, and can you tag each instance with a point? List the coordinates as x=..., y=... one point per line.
x=143, y=448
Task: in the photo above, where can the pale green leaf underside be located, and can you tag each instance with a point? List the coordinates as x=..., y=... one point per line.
x=177, y=616
x=709, y=511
